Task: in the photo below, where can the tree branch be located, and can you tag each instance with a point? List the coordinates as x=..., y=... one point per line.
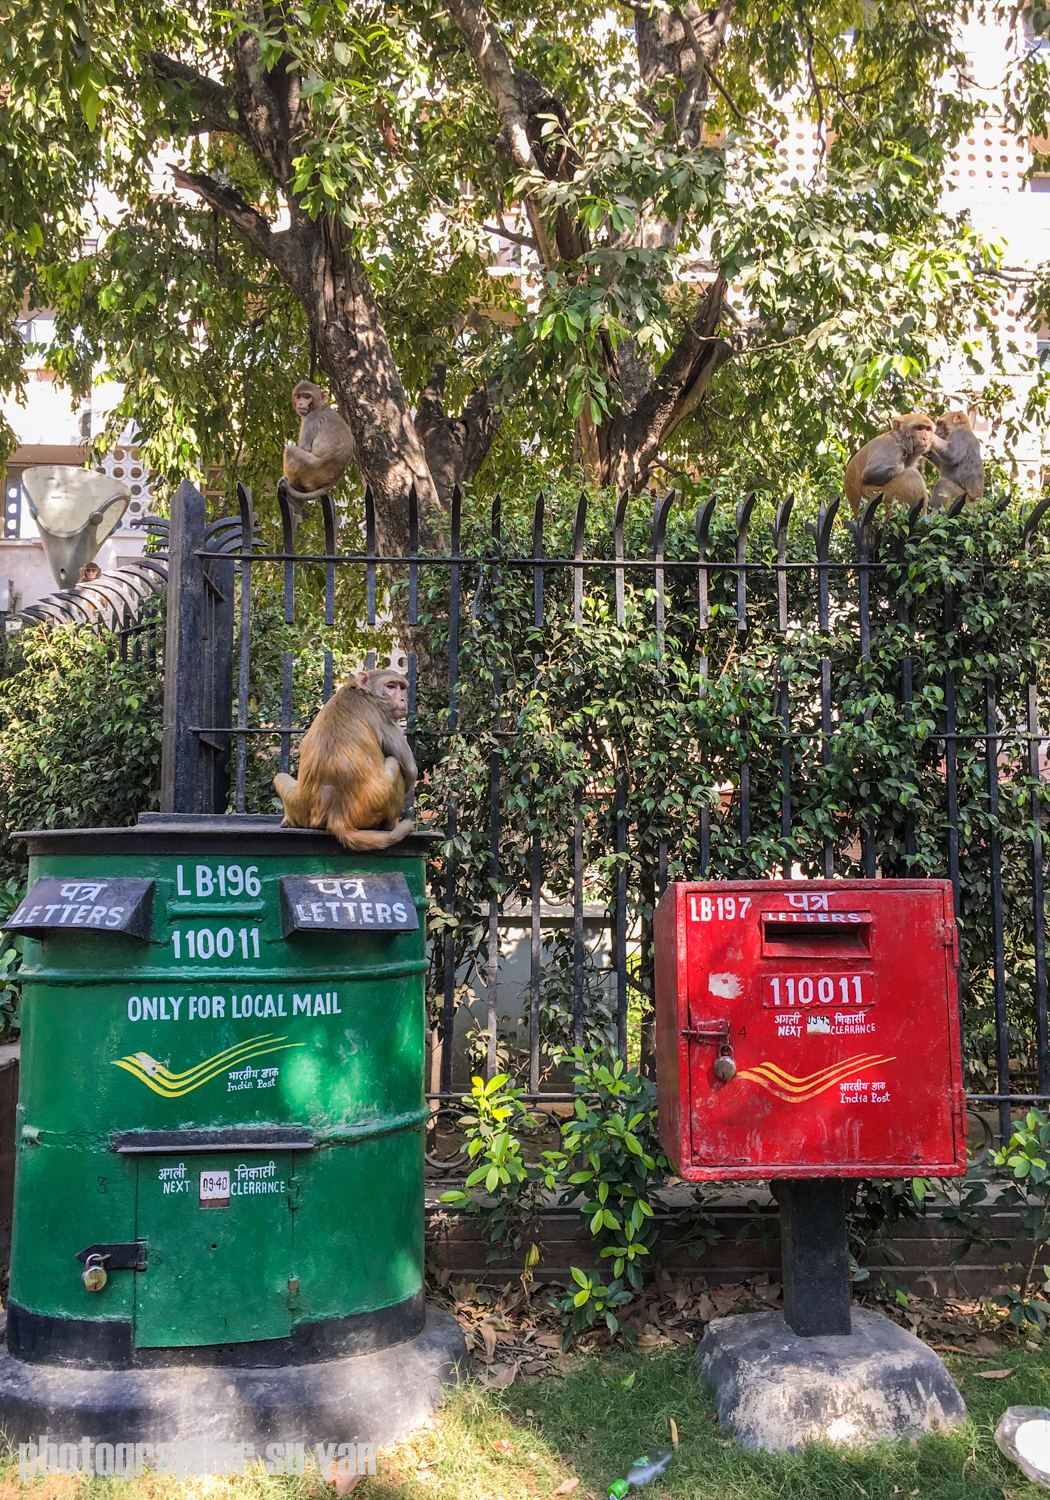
x=271, y=106
x=211, y=102
x=508, y=234
x=518, y=97
x=455, y=447
x=245, y=219
x=728, y=99
x=681, y=385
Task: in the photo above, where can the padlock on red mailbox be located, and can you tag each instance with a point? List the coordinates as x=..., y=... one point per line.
x=809, y=1028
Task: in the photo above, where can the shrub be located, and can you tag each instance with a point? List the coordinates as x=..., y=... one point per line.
x=80, y=735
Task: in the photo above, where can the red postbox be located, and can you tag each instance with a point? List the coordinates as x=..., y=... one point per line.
x=809, y=1028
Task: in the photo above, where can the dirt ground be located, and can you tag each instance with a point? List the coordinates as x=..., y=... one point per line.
x=511, y=1328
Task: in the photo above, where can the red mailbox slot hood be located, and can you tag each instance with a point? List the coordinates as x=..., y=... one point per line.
x=809, y=1029
x=792, y=934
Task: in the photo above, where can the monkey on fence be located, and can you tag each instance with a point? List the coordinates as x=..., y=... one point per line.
x=956, y=452
x=892, y=463
x=355, y=767
x=325, y=447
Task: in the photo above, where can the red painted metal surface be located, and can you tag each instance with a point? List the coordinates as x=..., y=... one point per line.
x=836, y=1002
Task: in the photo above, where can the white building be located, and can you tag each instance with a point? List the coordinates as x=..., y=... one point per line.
x=53, y=429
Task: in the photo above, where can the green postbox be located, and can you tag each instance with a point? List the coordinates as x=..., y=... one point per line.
x=220, y=1155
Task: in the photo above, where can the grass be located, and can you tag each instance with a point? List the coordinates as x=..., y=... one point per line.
x=525, y=1442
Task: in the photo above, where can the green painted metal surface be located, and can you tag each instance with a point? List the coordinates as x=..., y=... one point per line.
x=322, y=1030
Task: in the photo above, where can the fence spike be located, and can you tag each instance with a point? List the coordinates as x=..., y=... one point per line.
x=955, y=507
x=703, y=524
x=370, y=519
x=618, y=520
x=743, y=513
x=1031, y=521
x=743, y=522
x=457, y=516
x=822, y=530
x=866, y=519
x=290, y=519
x=778, y=525
x=328, y=512
x=537, y=526
x=579, y=525
x=413, y=553
x=663, y=510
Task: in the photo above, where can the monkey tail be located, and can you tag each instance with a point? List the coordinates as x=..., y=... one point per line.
x=364, y=840
x=300, y=495
x=287, y=788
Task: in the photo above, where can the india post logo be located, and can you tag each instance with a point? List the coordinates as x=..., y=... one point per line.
x=156, y=1076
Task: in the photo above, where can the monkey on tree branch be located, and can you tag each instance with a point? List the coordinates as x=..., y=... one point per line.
x=264, y=107
x=317, y=462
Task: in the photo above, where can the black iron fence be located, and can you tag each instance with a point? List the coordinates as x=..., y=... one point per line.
x=616, y=695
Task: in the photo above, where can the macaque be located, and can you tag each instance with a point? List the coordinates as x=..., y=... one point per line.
x=892, y=463
x=325, y=447
x=89, y=572
x=956, y=452
x=355, y=767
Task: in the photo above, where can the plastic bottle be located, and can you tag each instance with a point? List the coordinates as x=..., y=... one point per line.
x=643, y=1471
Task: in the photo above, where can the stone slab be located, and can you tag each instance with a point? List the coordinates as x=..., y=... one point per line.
x=779, y=1391
x=369, y=1398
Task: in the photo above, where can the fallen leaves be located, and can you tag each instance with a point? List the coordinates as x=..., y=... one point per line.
x=501, y=1376
x=566, y=1487
x=985, y=1345
x=992, y=1374
x=342, y=1484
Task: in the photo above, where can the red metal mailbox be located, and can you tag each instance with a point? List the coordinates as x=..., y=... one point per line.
x=809, y=1028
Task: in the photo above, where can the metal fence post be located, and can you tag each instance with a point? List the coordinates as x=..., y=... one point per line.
x=181, y=788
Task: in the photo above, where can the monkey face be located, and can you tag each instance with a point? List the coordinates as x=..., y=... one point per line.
x=921, y=433
x=303, y=403
x=396, y=689
x=949, y=421
x=915, y=429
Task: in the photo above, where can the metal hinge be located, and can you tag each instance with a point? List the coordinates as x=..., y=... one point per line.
x=949, y=938
x=294, y=1187
x=960, y=1112
x=714, y=1033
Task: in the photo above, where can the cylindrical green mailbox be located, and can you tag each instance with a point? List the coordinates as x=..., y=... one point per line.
x=221, y=1106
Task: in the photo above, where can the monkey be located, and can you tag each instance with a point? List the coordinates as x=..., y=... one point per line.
x=89, y=572
x=892, y=463
x=325, y=447
x=355, y=767
x=956, y=452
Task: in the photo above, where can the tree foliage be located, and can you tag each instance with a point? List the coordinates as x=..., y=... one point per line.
x=213, y=198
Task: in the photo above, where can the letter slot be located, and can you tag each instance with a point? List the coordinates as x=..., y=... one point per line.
x=802, y=935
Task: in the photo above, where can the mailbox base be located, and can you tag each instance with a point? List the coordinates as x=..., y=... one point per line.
x=814, y=1255
x=366, y=1398
x=780, y=1391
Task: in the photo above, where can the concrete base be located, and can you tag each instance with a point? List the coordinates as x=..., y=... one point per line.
x=779, y=1391
x=371, y=1398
